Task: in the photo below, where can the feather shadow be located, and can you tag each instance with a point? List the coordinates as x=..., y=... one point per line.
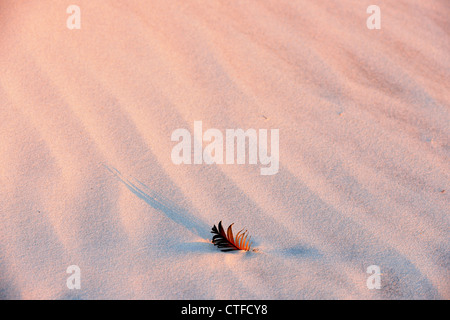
x=163, y=204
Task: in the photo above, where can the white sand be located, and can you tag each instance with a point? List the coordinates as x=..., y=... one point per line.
x=85, y=171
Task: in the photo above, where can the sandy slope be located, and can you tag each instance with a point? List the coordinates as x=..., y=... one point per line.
x=86, y=176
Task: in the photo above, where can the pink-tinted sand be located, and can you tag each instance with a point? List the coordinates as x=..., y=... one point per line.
x=86, y=176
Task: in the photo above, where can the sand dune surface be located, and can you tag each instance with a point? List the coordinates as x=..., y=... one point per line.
x=86, y=176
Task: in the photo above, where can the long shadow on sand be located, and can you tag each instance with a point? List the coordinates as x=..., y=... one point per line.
x=163, y=204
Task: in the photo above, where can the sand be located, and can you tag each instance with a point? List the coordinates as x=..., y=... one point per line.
x=86, y=176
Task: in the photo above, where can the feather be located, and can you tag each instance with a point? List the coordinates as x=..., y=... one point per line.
x=227, y=242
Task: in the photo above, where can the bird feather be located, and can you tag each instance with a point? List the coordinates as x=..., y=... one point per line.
x=227, y=242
